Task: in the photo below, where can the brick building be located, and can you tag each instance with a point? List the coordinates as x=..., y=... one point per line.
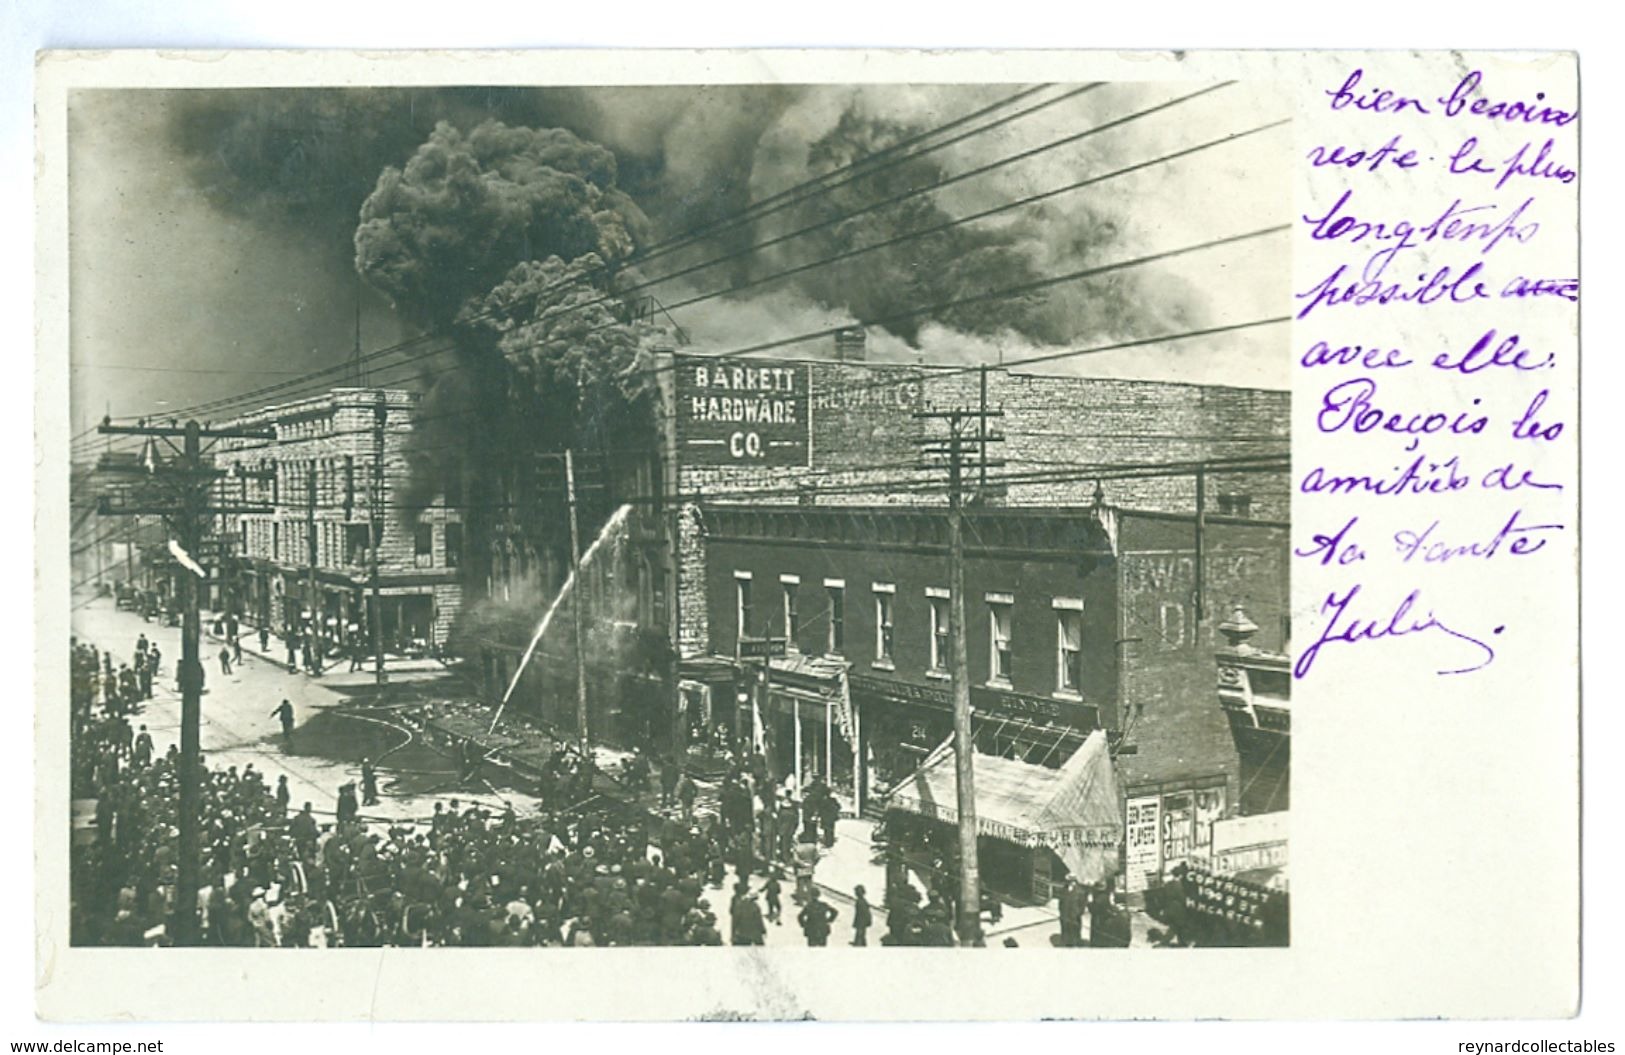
x=1076, y=619
x=803, y=479
x=332, y=478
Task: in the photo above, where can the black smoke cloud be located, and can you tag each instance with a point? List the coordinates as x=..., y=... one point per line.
x=685, y=158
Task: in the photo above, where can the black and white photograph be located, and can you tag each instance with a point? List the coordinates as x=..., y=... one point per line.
x=848, y=515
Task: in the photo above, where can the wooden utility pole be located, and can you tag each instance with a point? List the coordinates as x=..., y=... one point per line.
x=970, y=885
x=577, y=599
x=375, y=534
x=180, y=494
x=311, y=596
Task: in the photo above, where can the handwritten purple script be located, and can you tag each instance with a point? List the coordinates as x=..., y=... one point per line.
x=1431, y=199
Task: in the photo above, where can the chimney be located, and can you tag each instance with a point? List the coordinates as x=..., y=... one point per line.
x=849, y=344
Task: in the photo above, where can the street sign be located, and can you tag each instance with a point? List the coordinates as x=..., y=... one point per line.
x=761, y=647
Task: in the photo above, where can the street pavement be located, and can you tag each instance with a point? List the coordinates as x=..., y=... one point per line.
x=238, y=728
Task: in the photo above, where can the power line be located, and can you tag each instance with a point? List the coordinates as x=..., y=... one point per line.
x=742, y=217
x=1023, y=155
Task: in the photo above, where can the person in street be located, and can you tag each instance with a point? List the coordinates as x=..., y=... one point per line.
x=806, y=861
x=862, y=916
x=815, y=917
x=303, y=829
x=347, y=805
x=668, y=784
x=1108, y=927
x=1070, y=904
x=290, y=637
x=369, y=783
x=225, y=660
x=283, y=795
x=141, y=753
x=285, y=713
x=686, y=791
x=770, y=894
x=747, y=925
x=829, y=811
x=786, y=826
x=265, y=639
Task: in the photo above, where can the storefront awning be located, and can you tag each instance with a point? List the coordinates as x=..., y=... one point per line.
x=1073, y=810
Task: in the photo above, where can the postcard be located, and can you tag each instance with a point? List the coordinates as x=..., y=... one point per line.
x=785, y=535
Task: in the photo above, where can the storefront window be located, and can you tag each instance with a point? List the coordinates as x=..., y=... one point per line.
x=999, y=658
x=742, y=603
x=1069, y=649
x=423, y=545
x=940, y=641
x=884, y=596
x=454, y=545
x=837, y=619
x=790, y=619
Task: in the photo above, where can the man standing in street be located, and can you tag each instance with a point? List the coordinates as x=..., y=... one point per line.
x=685, y=796
x=668, y=784
x=369, y=783
x=815, y=917
x=265, y=638
x=285, y=712
x=862, y=917
x=1071, y=912
x=141, y=753
x=225, y=660
x=747, y=925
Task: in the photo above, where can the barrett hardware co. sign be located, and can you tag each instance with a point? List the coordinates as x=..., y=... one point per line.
x=742, y=412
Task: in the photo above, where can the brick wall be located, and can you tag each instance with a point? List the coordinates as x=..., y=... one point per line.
x=862, y=550
x=1171, y=711
x=864, y=445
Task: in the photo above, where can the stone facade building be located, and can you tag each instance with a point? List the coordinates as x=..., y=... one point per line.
x=333, y=479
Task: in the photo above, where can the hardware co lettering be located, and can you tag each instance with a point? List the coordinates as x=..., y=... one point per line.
x=746, y=413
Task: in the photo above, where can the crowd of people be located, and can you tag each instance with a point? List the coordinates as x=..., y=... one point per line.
x=582, y=871
x=586, y=869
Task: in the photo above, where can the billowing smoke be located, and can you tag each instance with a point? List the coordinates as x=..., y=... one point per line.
x=503, y=240
x=468, y=208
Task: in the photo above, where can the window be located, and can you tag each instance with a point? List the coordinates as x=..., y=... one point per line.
x=1235, y=505
x=356, y=539
x=999, y=658
x=423, y=545
x=742, y=602
x=837, y=615
x=885, y=594
x=790, y=583
x=454, y=545
x=276, y=540
x=941, y=643
x=1068, y=645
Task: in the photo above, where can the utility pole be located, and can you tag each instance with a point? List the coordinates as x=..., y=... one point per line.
x=1201, y=543
x=181, y=495
x=970, y=886
x=375, y=529
x=314, y=599
x=576, y=602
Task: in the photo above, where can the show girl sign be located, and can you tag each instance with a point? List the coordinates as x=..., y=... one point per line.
x=742, y=412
